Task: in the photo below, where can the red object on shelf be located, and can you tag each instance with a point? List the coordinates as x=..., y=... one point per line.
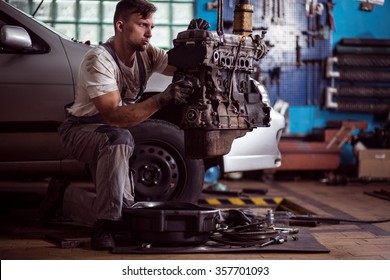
x=300, y=154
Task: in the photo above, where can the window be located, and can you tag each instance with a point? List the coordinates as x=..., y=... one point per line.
x=91, y=20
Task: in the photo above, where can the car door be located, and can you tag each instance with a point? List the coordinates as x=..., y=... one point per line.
x=34, y=86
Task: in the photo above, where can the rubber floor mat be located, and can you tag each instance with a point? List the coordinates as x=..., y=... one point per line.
x=306, y=243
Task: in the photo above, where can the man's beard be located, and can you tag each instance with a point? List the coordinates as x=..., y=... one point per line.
x=139, y=47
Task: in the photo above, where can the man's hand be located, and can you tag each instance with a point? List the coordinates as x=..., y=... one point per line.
x=177, y=92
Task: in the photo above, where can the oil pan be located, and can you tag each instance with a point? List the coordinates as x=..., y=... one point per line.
x=170, y=223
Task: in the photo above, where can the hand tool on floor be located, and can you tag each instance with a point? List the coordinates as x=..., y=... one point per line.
x=286, y=230
x=379, y=194
x=64, y=242
x=274, y=240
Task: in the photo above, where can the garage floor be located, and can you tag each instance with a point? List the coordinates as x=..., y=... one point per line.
x=21, y=237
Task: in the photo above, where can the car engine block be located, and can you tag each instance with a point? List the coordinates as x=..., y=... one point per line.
x=225, y=103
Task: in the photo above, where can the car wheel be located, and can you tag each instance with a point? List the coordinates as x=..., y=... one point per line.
x=161, y=171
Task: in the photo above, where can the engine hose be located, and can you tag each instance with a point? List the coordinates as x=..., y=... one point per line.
x=225, y=241
x=243, y=238
x=329, y=220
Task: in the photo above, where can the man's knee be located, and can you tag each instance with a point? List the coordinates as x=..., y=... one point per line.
x=117, y=136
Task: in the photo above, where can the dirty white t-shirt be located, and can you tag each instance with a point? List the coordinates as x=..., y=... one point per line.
x=99, y=74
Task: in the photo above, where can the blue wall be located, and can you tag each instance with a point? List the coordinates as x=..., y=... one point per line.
x=304, y=118
x=353, y=23
x=202, y=12
x=350, y=23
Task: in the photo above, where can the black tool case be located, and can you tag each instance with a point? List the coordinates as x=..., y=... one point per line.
x=170, y=223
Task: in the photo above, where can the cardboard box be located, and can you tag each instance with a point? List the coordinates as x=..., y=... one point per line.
x=374, y=163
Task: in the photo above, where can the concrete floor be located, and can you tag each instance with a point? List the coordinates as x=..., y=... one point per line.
x=21, y=237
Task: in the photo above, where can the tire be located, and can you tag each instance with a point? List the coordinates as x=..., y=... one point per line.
x=161, y=171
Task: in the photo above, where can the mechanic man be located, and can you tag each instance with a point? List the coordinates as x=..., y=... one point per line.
x=109, y=86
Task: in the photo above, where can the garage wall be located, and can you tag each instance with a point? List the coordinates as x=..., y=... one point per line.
x=303, y=87
x=351, y=22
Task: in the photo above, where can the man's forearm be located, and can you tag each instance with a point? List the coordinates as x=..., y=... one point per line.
x=132, y=114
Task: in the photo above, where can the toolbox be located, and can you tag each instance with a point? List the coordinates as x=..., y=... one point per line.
x=170, y=223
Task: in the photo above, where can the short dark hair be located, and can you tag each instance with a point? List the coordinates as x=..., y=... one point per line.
x=124, y=8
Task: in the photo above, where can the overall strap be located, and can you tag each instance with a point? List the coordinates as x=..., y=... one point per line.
x=141, y=66
x=142, y=74
x=111, y=51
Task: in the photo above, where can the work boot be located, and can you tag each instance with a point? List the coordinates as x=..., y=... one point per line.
x=103, y=235
x=51, y=206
